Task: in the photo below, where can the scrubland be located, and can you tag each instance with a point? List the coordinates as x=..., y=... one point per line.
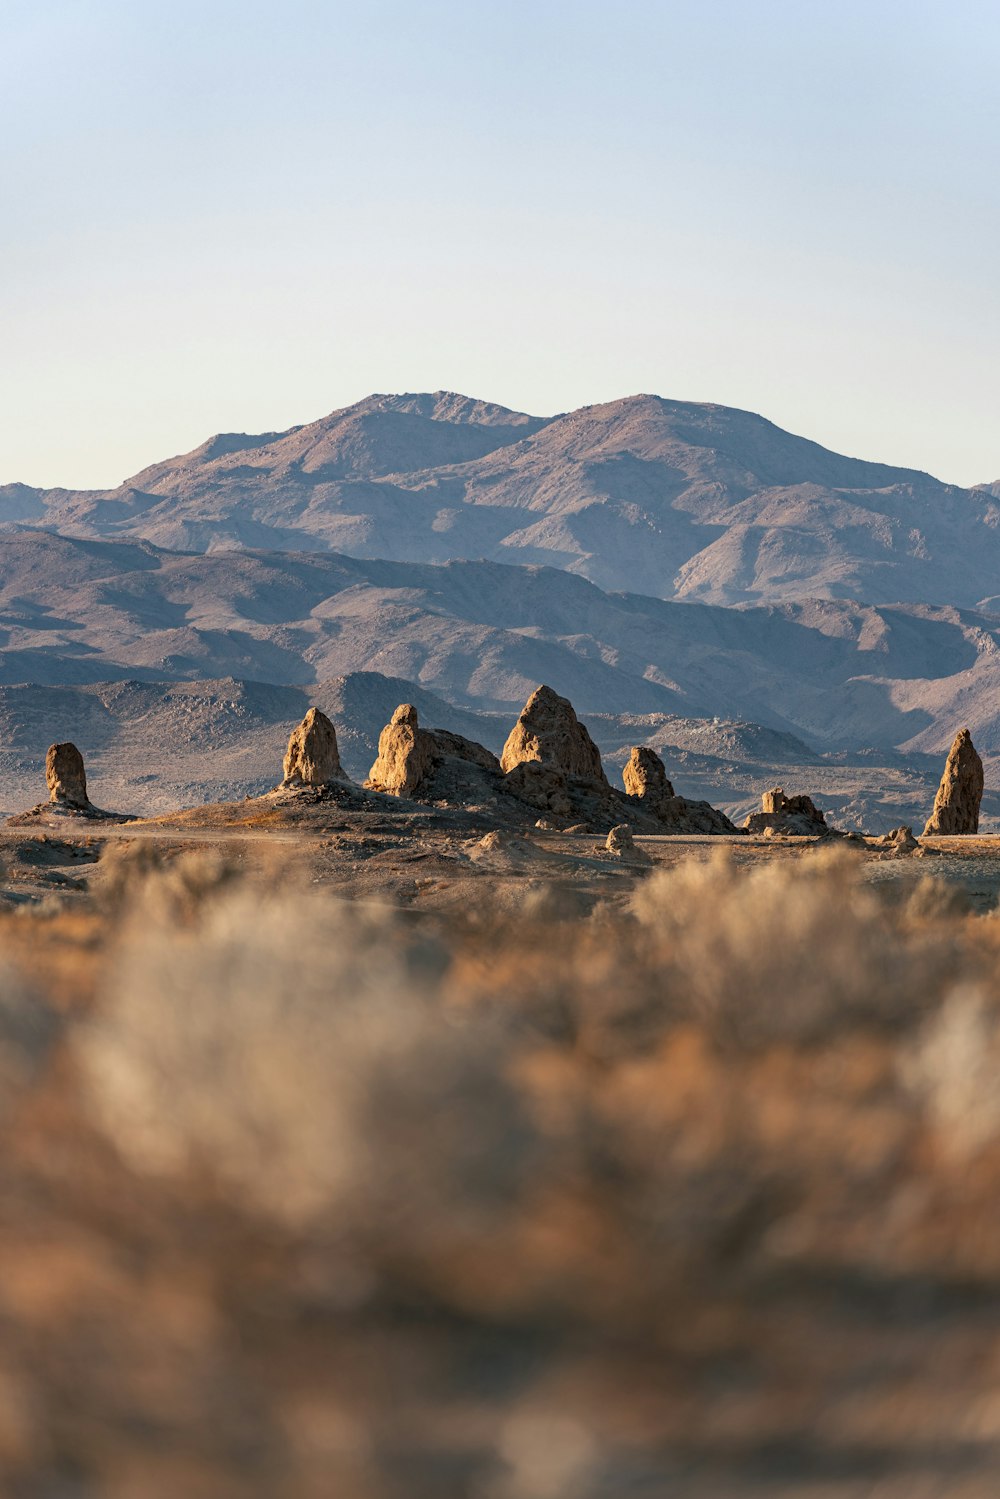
x=695, y=1193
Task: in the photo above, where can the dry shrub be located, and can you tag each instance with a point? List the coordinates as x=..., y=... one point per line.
x=293, y=1048
x=791, y=950
x=570, y=1207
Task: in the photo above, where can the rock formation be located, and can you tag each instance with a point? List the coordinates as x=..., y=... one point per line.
x=549, y=732
x=66, y=777
x=956, y=806
x=405, y=755
x=645, y=775
x=796, y=815
x=646, y=784
x=431, y=763
x=312, y=757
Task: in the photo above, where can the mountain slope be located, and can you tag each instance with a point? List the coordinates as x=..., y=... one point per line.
x=482, y=635
x=672, y=499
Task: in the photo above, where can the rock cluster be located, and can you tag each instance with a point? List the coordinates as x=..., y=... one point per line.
x=956, y=806
x=66, y=777
x=795, y=815
x=312, y=757
x=899, y=843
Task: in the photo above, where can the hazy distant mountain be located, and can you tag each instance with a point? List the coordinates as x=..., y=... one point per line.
x=482, y=635
x=667, y=498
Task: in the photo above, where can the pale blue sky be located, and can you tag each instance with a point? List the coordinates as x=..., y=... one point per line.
x=221, y=216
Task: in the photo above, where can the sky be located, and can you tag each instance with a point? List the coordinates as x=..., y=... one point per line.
x=222, y=216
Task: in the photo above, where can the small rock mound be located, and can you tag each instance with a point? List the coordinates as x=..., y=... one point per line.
x=645, y=775
x=899, y=843
x=956, y=805
x=312, y=757
x=66, y=776
x=621, y=845
x=548, y=732
x=795, y=815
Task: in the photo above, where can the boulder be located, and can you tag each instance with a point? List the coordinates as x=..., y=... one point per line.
x=66, y=777
x=312, y=757
x=406, y=755
x=549, y=733
x=621, y=845
x=956, y=806
x=795, y=815
x=645, y=775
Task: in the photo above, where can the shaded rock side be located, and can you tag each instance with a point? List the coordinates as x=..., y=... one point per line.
x=66, y=776
x=312, y=757
x=795, y=815
x=956, y=805
x=548, y=732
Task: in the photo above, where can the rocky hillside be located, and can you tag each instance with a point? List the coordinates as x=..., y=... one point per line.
x=841, y=675
x=668, y=498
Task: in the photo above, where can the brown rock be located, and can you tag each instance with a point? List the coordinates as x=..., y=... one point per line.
x=646, y=783
x=312, y=757
x=65, y=776
x=541, y=786
x=621, y=845
x=406, y=755
x=956, y=806
x=548, y=732
x=899, y=843
x=645, y=775
x=796, y=815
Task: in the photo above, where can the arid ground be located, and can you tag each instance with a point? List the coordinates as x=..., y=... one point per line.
x=392, y=1155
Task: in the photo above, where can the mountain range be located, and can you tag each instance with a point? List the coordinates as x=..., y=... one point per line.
x=689, y=575
x=672, y=499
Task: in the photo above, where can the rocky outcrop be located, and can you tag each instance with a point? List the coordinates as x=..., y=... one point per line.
x=431, y=764
x=551, y=763
x=312, y=757
x=66, y=777
x=405, y=755
x=549, y=733
x=646, y=784
x=645, y=775
x=797, y=816
x=956, y=806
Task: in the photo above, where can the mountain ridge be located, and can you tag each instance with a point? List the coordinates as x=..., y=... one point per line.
x=481, y=635
x=672, y=499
